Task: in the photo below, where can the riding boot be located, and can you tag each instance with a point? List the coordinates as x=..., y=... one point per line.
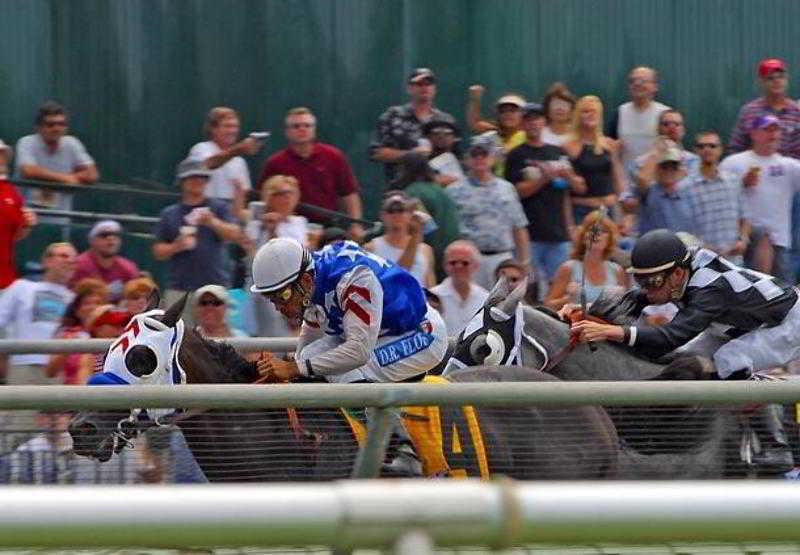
x=775, y=455
x=401, y=459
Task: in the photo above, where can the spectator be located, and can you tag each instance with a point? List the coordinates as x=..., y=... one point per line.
x=102, y=261
x=402, y=240
x=322, y=171
x=670, y=135
x=274, y=215
x=136, y=294
x=399, y=128
x=15, y=220
x=48, y=457
x=542, y=185
x=559, y=105
x=444, y=158
x=635, y=123
x=52, y=155
x=460, y=296
x=595, y=158
x=663, y=203
x=32, y=310
x=105, y=322
x=210, y=304
x=417, y=180
x=716, y=201
x=72, y=368
x=769, y=180
x=513, y=271
x=508, y=124
x=230, y=179
x=490, y=211
x=191, y=235
x=774, y=82
x=590, y=256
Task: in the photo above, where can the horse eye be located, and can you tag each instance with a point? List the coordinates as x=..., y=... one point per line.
x=141, y=361
x=479, y=349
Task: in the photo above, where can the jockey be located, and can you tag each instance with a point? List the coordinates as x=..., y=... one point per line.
x=759, y=312
x=364, y=319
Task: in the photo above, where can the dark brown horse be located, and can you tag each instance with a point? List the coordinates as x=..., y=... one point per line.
x=265, y=445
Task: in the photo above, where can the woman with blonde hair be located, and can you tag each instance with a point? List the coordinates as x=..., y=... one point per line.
x=594, y=243
x=280, y=195
x=594, y=157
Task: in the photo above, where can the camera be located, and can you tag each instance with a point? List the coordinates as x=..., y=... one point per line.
x=259, y=135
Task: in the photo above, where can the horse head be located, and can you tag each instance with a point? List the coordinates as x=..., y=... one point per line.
x=494, y=334
x=147, y=353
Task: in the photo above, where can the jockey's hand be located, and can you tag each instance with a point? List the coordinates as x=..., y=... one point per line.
x=278, y=370
x=591, y=332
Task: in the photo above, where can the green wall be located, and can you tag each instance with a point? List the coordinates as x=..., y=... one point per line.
x=139, y=75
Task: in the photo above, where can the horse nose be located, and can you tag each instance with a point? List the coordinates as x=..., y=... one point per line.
x=84, y=435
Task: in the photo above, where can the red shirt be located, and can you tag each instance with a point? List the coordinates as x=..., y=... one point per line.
x=120, y=271
x=324, y=176
x=10, y=224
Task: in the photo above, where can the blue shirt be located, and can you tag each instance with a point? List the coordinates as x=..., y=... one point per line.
x=660, y=209
x=206, y=263
x=403, y=300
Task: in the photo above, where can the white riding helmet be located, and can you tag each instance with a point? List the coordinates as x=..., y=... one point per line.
x=278, y=263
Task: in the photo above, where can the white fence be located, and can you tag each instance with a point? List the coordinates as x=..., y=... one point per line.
x=376, y=514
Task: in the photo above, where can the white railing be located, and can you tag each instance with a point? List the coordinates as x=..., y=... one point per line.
x=376, y=514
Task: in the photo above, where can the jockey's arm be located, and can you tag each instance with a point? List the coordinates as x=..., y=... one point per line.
x=360, y=296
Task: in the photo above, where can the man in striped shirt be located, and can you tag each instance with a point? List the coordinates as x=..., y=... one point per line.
x=774, y=81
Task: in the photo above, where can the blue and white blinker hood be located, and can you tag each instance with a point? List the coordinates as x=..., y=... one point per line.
x=164, y=341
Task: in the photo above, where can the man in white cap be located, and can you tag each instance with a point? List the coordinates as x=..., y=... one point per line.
x=102, y=260
x=364, y=319
x=210, y=305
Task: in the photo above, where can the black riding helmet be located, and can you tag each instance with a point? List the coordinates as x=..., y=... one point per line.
x=656, y=252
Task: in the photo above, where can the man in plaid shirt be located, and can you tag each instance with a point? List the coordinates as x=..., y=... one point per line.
x=715, y=200
x=774, y=82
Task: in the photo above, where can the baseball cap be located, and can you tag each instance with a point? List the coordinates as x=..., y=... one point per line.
x=214, y=290
x=190, y=168
x=532, y=109
x=105, y=226
x=486, y=142
x=514, y=99
x=770, y=65
x=762, y=122
x=672, y=154
x=421, y=73
x=397, y=199
x=438, y=125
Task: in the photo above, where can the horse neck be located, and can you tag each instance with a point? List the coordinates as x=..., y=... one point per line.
x=200, y=361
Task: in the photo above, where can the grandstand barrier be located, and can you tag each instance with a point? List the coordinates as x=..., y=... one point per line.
x=244, y=344
x=375, y=514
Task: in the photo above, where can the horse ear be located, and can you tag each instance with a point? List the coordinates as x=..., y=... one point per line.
x=498, y=293
x=510, y=302
x=173, y=313
x=153, y=300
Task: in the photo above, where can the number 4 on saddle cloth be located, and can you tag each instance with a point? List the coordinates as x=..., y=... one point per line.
x=448, y=440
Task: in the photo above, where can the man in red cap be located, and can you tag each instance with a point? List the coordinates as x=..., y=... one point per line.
x=774, y=81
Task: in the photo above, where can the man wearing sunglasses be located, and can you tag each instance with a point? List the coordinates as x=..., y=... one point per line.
x=364, y=319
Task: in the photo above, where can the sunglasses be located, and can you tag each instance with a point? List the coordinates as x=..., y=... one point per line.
x=638, y=81
x=59, y=123
x=669, y=123
x=281, y=296
x=300, y=125
x=775, y=76
x=211, y=302
x=651, y=281
x=395, y=210
x=460, y=263
x=707, y=145
x=106, y=235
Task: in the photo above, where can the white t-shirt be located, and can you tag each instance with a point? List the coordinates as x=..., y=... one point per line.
x=638, y=129
x=550, y=138
x=455, y=311
x=294, y=227
x=220, y=184
x=768, y=204
x=389, y=252
x=32, y=310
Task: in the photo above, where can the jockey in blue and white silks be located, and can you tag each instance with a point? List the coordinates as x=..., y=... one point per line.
x=363, y=318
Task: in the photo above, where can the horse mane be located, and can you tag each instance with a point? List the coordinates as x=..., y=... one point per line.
x=218, y=359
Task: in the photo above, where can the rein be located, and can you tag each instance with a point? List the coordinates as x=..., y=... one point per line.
x=551, y=362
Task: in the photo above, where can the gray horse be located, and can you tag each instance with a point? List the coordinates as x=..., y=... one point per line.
x=658, y=442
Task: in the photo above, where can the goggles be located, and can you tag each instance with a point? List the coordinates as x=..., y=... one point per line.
x=281, y=296
x=651, y=281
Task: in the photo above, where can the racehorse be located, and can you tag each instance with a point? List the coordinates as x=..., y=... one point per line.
x=658, y=442
x=526, y=443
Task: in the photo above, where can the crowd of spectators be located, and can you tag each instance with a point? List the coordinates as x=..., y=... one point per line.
x=556, y=191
